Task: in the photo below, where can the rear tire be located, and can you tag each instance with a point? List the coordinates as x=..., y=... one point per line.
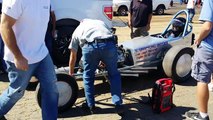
x=68, y=92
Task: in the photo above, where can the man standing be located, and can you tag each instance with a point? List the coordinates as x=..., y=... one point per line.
x=98, y=44
x=139, y=17
x=202, y=66
x=191, y=9
x=23, y=27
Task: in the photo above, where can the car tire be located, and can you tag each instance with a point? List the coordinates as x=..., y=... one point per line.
x=122, y=11
x=177, y=63
x=160, y=10
x=68, y=92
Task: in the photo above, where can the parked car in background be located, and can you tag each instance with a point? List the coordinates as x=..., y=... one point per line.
x=159, y=6
x=121, y=7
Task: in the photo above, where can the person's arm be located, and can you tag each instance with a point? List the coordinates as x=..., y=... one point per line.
x=149, y=22
x=72, y=61
x=73, y=50
x=150, y=15
x=204, y=32
x=9, y=39
x=53, y=22
x=129, y=19
x=130, y=15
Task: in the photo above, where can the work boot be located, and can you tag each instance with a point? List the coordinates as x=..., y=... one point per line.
x=120, y=109
x=91, y=109
x=2, y=118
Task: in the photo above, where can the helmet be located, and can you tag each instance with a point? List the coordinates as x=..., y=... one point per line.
x=178, y=24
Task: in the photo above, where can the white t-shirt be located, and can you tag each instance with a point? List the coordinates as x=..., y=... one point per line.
x=191, y=4
x=32, y=18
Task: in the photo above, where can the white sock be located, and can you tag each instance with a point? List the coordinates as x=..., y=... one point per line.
x=203, y=115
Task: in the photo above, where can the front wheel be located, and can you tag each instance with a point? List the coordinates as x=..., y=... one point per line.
x=177, y=63
x=68, y=92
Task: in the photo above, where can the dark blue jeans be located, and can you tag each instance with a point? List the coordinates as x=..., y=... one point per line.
x=2, y=62
x=191, y=14
x=92, y=54
x=44, y=71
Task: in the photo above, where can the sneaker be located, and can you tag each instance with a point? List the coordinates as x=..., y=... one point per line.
x=120, y=109
x=90, y=110
x=210, y=86
x=2, y=118
x=195, y=116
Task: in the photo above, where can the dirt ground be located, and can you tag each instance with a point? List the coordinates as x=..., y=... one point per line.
x=134, y=89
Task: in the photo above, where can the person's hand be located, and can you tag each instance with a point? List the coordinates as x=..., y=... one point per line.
x=129, y=24
x=71, y=72
x=101, y=64
x=148, y=27
x=21, y=63
x=197, y=42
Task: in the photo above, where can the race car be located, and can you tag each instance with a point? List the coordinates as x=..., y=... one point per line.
x=170, y=49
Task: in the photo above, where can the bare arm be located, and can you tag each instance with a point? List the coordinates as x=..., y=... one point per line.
x=129, y=19
x=205, y=30
x=149, y=21
x=10, y=41
x=73, y=55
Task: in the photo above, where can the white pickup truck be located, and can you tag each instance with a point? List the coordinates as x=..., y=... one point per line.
x=68, y=14
x=80, y=9
x=121, y=7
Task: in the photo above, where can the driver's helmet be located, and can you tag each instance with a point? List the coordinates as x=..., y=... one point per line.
x=178, y=24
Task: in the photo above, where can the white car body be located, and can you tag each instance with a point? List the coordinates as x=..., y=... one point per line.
x=121, y=7
x=80, y=9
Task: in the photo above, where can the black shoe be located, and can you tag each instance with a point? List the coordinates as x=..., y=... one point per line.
x=2, y=118
x=120, y=109
x=195, y=116
x=91, y=109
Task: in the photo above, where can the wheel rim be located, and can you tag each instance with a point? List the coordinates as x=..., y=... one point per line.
x=183, y=66
x=160, y=11
x=65, y=93
x=123, y=12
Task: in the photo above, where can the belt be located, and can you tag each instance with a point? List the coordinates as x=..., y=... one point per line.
x=102, y=40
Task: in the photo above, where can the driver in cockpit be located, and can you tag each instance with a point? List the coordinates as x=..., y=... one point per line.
x=178, y=25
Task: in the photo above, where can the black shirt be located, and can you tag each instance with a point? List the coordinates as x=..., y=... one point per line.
x=140, y=11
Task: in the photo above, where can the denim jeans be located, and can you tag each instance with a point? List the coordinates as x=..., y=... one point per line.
x=2, y=62
x=44, y=71
x=107, y=53
x=49, y=42
x=191, y=14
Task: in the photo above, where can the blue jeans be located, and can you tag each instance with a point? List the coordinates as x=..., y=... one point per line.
x=2, y=62
x=49, y=42
x=92, y=54
x=181, y=2
x=191, y=14
x=44, y=71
